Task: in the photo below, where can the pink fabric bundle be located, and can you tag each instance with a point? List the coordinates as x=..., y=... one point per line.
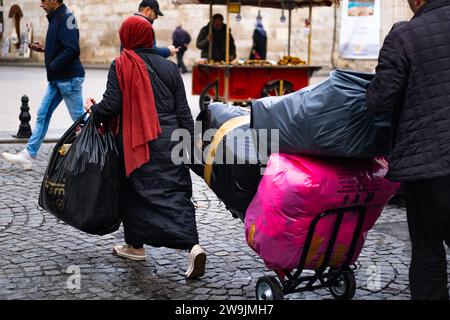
x=295, y=189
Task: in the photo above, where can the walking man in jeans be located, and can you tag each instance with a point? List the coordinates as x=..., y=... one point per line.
x=65, y=75
x=413, y=80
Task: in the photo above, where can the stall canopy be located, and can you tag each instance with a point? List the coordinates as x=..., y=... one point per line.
x=281, y=4
x=277, y=4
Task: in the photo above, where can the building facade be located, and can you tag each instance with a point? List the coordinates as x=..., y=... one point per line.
x=99, y=21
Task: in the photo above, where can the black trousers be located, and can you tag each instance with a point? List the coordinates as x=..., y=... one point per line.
x=180, y=63
x=428, y=211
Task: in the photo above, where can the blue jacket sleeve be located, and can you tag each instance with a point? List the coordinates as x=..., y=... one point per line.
x=68, y=36
x=163, y=52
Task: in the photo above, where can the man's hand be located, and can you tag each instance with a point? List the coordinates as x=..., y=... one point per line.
x=173, y=50
x=210, y=37
x=37, y=46
x=89, y=103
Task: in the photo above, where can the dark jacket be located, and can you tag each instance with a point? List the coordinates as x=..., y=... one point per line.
x=162, y=51
x=62, y=47
x=181, y=38
x=413, y=80
x=219, y=43
x=156, y=202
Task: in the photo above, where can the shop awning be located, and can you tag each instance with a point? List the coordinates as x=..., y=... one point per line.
x=281, y=4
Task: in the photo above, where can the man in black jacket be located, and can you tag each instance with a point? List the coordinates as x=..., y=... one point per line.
x=65, y=75
x=149, y=9
x=218, y=39
x=413, y=80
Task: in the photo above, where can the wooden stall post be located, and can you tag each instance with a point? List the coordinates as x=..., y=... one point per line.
x=310, y=32
x=289, y=30
x=210, y=32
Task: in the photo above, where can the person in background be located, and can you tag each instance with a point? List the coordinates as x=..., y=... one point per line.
x=146, y=92
x=218, y=39
x=181, y=39
x=149, y=9
x=412, y=81
x=259, y=48
x=65, y=75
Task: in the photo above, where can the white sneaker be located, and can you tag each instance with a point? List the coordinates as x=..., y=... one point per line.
x=127, y=251
x=197, y=262
x=23, y=158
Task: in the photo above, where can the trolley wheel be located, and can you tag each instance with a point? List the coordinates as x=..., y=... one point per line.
x=268, y=288
x=345, y=286
x=209, y=94
x=277, y=88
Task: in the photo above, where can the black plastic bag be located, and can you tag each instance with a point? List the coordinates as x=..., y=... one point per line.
x=236, y=183
x=81, y=185
x=236, y=171
x=213, y=117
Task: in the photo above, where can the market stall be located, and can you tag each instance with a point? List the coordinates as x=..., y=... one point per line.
x=228, y=81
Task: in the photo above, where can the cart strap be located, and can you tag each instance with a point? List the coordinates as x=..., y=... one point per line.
x=217, y=139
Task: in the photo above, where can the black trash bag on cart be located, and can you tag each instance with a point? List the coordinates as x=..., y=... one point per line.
x=212, y=117
x=218, y=113
x=329, y=119
x=234, y=170
x=81, y=185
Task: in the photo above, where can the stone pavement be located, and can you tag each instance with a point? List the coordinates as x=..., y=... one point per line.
x=39, y=253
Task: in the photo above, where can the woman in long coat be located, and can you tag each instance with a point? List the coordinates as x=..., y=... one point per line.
x=146, y=93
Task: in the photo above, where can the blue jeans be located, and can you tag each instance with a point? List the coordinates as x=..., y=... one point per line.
x=71, y=91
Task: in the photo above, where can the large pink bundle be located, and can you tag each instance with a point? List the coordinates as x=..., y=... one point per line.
x=295, y=189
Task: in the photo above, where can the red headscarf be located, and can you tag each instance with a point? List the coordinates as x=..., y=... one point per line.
x=140, y=123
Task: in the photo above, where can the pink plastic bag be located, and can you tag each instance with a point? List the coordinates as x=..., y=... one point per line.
x=295, y=189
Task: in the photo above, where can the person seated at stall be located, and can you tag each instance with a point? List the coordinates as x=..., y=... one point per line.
x=218, y=38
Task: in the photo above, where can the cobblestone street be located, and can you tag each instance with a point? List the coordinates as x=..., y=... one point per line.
x=39, y=253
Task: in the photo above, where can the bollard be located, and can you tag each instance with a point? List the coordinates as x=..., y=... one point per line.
x=24, y=117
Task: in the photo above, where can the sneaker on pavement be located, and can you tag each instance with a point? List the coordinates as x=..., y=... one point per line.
x=127, y=251
x=197, y=262
x=23, y=158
